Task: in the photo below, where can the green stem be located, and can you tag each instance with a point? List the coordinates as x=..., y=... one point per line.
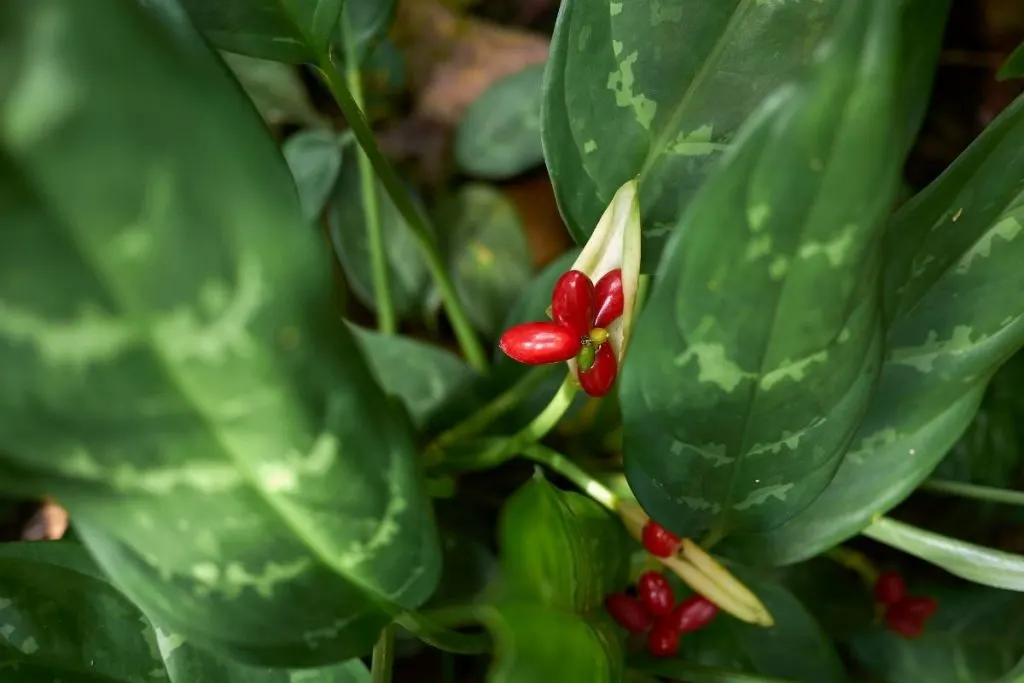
x=574, y=473
x=855, y=562
x=387, y=321
x=975, y=491
x=434, y=633
x=383, y=662
x=498, y=406
x=413, y=215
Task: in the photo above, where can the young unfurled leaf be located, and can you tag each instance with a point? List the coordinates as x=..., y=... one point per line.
x=954, y=253
x=64, y=621
x=756, y=355
x=173, y=370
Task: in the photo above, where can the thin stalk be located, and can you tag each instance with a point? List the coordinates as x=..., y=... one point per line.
x=975, y=491
x=435, y=634
x=574, y=473
x=387, y=320
x=413, y=215
x=383, y=662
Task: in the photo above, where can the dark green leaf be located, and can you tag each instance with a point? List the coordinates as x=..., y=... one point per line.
x=488, y=255
x=561, y=549
x=976, y=636
x=423, y=376
x=314, y=157
x=63, y=621
x=275, y=89
x=953, y=253
x=969, y=561
x=794, y=648
x=173, y=371
x=658, y=90
x=366, y=22
x=838, y=597
x=499, y=136
x=1014, y=66
x=677, y=670
x=282, y=30
x=540, y=644
x=407, y=271
x=755, y=357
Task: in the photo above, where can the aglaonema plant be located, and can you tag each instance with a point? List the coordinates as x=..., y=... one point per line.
x=753, y=356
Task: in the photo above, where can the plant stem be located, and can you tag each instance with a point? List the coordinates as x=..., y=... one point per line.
x=383, y=662
x=855, y=562
x=387, y=321
x=574, y=473
x=975, y=491
x=413, y=215
x=498, y=406
x=435, y=634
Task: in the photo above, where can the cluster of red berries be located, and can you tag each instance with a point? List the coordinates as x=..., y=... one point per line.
x=653, y=611
x=581, y=313
x=904, y=614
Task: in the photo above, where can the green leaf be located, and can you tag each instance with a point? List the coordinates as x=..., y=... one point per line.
x=1014, y=66
x=535, y=643
x=755, y=357
x=499, y=136
x=314, y=157
x=951, y=251
x=407, y=271
x=281, y=30
x=173, y=369
x=488, y=254
x=977, y=635
x=967, y=560
x=366, y=24
x=657, y=90
x=64, y=621
x=425, y=377
x=677, y=670
x=275, y=89
x=561, y=549
x=731, y=644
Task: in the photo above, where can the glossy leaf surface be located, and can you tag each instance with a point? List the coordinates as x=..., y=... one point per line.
x=1014, y=66
x=764, y=317
x=408, y=277
x=969, y=561
x=561, y=549
x=657, y=90
x=173, y=370
x=425, y=377
x=488, y=256
x=314, y=157
x=953, y=279
x=499, y=135
x=275, y=89
x=64, y=621
x=976, y=635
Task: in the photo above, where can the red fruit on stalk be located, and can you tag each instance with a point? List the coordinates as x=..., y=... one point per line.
x=920, y=608
x=890, y=588
x=572, y=302
x=655, y=593
x=601, y=376
x=658, y=540
x=663, y=640
x=609, y=298
x=628, y=612
x=692, y=614
x=539, y=343
x=902, y=624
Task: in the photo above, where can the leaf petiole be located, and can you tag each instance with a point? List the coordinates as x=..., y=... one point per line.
x=974, y=491
x=574, y=473
x=383, y=662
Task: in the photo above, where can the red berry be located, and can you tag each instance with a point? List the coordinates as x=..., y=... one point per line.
x=659, y=541
x=920, y=608
x=609, y=299
x=692, y=614
x=540, y=342
x=628, y=612
x=890, y=588
x=663, y=640
x=655, y=593
x=572, y=302
x=601, y=376
x=903, y=624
